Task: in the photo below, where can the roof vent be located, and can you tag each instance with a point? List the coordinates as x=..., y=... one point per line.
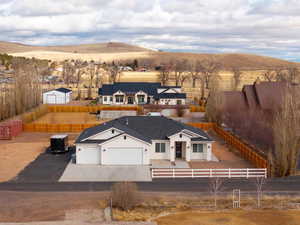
x=126, y=121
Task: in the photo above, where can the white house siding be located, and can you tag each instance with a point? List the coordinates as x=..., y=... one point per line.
x=156, y=155
x=129, y=142
x=206, y=155
x=106, y=99
x=105, y=134
x=88, y=154
x=173, y=101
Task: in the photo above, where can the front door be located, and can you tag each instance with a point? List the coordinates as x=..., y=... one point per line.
x=178, y=152
x=130, y=100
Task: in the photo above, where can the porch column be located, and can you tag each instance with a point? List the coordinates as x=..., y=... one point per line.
x=188, y=151
x=208, y=152
x=172, y=150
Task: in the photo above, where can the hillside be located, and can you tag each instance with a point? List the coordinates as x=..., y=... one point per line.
x=245, y=61
x=121, y=51
x=111, y=47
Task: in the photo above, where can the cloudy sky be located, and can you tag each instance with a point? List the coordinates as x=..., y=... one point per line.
x=267, y=27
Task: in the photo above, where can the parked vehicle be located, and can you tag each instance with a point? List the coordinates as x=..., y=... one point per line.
x=59, y=143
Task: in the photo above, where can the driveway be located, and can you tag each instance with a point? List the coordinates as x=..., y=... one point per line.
x=93, y=173
x=47, y=167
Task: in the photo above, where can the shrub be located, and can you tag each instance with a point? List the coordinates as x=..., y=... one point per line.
x=124, y=195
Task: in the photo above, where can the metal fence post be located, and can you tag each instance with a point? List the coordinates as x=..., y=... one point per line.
x=229, y=173
x=173, y=173
x=247, y=175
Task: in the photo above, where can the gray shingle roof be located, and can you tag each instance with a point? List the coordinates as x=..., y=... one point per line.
x=145, y=128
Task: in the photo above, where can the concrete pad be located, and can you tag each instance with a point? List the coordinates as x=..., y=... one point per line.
x=94, y=173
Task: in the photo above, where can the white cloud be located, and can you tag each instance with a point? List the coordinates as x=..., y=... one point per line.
x=269, y=27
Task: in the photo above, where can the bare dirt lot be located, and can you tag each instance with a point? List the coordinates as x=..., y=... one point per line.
x=46, y=206
x=262, y=217
x=17, y=153
x=68, y=118
x=227, y=157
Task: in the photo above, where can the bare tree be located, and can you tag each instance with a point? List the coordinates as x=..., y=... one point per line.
x=68, y=72
x=209, y=68
x=180, y=69
x=113, y=72
x=91, y=72
x=259, y=183
x=214, y=102
x=164, y=74
x=215, y=186
x=237, y=76
x=286, y=127
x=270, y=75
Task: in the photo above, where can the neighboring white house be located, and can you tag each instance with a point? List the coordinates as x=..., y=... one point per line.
x=57, y=96
x=136, y=93
x=136, y=140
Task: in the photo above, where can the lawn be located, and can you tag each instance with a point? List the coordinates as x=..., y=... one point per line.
x=236, y=217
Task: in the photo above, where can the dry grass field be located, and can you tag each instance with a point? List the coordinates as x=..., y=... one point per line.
x=236, y=217
x=60, y=56
x=18, y=153
x=68, y=118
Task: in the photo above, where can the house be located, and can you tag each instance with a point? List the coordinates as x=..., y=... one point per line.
x=57, y=96
x=136, y=140
x=133, y=93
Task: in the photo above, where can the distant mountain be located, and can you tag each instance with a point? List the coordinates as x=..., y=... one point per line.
x=110, y=47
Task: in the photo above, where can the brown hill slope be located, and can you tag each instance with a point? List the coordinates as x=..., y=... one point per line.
x=245, y=61
x=111, y=47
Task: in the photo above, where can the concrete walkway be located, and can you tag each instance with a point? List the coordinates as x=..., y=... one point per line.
x=94, y=173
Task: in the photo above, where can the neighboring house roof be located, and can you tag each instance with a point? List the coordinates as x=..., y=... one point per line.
x=129, y=87
x=262, y=95
x=63, y=90
x=134, y=87
x=171, y=95
x=145, y=128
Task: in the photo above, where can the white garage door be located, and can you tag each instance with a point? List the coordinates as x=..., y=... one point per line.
x=88, y=155
x=51, y=99
x=123, y=156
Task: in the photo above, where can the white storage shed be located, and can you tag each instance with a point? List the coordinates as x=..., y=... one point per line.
x=57, y=96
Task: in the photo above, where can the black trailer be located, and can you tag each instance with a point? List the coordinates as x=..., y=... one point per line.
x=59, y=143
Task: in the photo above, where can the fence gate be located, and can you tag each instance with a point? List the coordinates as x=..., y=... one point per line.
x=236, y=198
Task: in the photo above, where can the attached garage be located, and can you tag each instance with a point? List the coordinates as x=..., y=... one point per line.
x=122, y=156
x=89, y=154
x=57, y=96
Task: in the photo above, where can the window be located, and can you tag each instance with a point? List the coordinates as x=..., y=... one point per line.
x=124, y=137
x=160, y=147
x=105, y=99
x=119, y=98
x=141, y=98
x=112, y=131
x=111, y=98
x=198, y=148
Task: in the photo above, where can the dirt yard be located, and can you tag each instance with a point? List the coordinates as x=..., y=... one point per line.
x=68, y=118
x=236, y=217
x=17, y=153
x=28, y=207
x=227, y=157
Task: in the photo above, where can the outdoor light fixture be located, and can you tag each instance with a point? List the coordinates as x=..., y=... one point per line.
x=104, y=150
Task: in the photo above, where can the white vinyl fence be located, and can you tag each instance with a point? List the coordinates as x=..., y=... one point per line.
x=204, y=173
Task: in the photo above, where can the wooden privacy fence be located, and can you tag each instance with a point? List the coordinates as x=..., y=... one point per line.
x=248, y=152
x=92, y=109
x=54, y=128
x=204, y=126
x=208, y=173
